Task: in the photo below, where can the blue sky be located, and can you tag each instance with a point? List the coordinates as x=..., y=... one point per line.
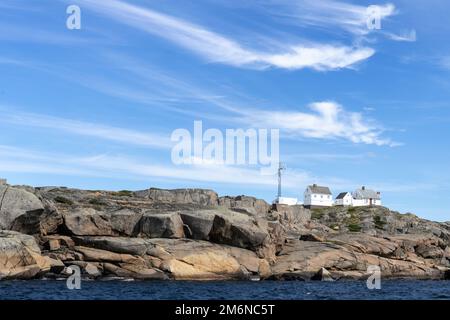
x=94, y=108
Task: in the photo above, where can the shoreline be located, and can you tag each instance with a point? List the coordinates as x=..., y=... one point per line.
x=193, y=234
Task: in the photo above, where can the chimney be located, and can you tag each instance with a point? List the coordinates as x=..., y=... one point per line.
x=314, y=185
x=363, y=188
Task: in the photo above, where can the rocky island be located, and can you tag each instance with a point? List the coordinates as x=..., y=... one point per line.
x=193, y=234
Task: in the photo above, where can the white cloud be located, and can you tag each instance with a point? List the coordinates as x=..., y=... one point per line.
x=13, y=159
x=329, y=120
x=327, y=14
x=95, y=130
x=409, y=36
x=20, y=160
x=323, y=157
x=217, y=48
x=334, y=16
x=320, y=57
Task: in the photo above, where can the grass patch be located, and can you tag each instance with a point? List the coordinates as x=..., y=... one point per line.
x=316, y=214
x=354, y=227
x=351, y=210
x=354, y=221
x=63, y=200
x=379, y=223
x=97, y=202
x=123, y=193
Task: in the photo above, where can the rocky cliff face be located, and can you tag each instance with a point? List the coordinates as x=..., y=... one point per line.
x=194, y=234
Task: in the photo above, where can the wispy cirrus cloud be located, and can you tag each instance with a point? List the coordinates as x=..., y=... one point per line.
x=21, y=160
x=407, y=36
x=327, y=14
x=332, y=15
x=14, y=159
x=95, y=130
x=326, y=120
x=221, y=49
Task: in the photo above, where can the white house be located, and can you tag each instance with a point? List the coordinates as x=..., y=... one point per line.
x=317, y=196
x=344, y=199
x=366, y=197
x=285, y=200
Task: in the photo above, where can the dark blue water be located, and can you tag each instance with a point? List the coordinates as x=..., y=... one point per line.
x=151, y=290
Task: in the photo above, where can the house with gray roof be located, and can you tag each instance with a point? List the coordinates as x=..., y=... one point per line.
x=317, y=196
x=366, y=197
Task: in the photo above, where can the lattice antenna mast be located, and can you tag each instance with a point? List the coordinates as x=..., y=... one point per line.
x=281, y=167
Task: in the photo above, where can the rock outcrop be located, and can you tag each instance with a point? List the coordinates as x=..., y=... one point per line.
x=15, y=202
x=245, y=204
x=20, y=256
x=165, y=225
x=192, y=234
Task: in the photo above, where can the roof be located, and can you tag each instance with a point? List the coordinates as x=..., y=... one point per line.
x=366, y=194
x=341, y=195
x=319, y=189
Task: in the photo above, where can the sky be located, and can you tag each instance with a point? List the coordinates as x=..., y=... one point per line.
x=95, y=107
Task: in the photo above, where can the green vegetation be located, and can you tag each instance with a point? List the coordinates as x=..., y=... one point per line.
x=379, y=223
x=354, y=221
x=351, y=210
x=63, y=200
x=316, y=214
x=354, y=227
x=123, y=193
x=97, y=202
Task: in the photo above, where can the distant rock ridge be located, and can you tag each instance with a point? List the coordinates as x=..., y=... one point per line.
x=193, y=234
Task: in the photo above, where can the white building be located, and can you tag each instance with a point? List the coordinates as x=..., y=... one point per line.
x=285, y=200
x=366, y=197
x=344, y=199
x=318, y=196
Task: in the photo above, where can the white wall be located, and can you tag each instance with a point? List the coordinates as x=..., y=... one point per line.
x=365, y=202
x=288, y=201
x=314, y=199
x=346, y=201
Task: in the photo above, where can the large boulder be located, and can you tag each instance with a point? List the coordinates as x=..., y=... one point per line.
x=199, y=223
x=133, y=246
x=97, y=255
x=125, y=222
x=84, y=221
x=245, y=204
x=20, y=256
x=238, y=233
x=88, y=222
x=186, y=259
x=15, y=202
x=166, y=225
x=39, y=222
x=133, y=271
x=293, y=217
